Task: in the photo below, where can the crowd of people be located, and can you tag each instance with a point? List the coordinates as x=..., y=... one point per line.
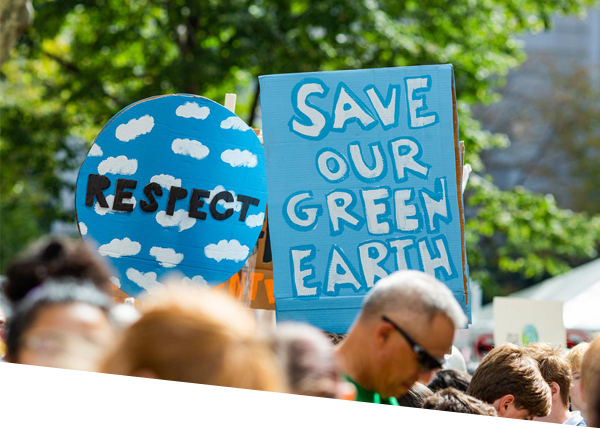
x=63, y=317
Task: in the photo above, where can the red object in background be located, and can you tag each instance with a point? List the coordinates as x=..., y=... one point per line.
x=575, y=336
x=485, y=343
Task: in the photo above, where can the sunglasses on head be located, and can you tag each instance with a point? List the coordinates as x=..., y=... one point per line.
x=425, y=360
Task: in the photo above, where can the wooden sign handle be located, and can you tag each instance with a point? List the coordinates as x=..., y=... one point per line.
x=230, y=102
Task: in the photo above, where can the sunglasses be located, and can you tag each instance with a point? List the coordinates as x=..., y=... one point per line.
x=425, y=360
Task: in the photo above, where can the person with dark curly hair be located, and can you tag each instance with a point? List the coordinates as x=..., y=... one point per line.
x=450, y=378
x=451, y=408
x=415, y=397
x=50, y=259
x=58, y=259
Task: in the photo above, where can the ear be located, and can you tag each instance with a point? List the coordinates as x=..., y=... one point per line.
x=503, y=404
x=582, y=391
x=383, y=333
x=555, y=390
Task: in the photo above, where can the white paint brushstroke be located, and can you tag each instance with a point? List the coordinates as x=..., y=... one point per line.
x=234, y=123
x=166, y=181
x=255, y=220
x=95, y=150
x=118, y=165
x=168, y=258
x=235, y=205
x=192, y=110
x=117, y=248
x=83, y=228
x=110, y=199
x=188, y=147
x=196, y=281
x=180, y=219
x=239, y=158
x=231, y=250
x=135, y=128
x=145, y=280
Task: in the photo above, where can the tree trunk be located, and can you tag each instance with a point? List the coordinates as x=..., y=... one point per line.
x=15, y=17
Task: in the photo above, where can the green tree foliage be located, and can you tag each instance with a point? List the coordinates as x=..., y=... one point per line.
x=82, y=61
x=517, y=237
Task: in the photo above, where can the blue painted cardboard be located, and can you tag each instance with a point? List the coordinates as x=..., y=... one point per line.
x=181, y=143
x=363, y=173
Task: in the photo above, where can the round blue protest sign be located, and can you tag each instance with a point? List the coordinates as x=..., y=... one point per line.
x=173, y=185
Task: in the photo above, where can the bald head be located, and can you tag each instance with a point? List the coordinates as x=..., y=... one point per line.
x=412, y=293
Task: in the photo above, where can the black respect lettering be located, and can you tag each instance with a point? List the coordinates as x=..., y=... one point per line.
x=97, y=184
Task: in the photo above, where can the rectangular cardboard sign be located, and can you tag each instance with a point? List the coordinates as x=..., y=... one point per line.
x=258, y=280
x=364, y=170
x=523, y=321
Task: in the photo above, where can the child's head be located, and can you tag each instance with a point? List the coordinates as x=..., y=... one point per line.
x=451, y=408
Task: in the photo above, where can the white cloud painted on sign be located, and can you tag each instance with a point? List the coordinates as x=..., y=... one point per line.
x=235, y=205
x=110, y=199
x=188, y=147
x=168, y=258
x=166, y=181
x=119, y=165
x=135, y=128
x=83, y=228
x=231, y=250
x=115, y=281
x=180, y=219
x=117, y=248
x=95, y=150
x=192, y=110
x=197, y=281
x=255, y=220
x=234, y=123
x=239, y=158
x=145, y=280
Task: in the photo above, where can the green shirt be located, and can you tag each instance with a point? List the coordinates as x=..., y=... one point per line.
x=374, y=412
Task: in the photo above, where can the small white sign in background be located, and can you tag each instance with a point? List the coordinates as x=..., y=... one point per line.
x=523, y=321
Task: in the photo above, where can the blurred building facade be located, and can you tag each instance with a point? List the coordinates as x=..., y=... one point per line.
x=550, y=109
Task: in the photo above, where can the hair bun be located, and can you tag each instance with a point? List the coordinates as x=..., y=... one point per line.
x=52, y=250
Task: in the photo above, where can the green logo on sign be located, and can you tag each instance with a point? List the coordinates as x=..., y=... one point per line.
x=529, y=335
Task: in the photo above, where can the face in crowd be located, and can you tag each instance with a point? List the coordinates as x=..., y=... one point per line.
x=61, y=326
x=195, y=336
x=511, y=381
x=409, y=353
x=405, y=328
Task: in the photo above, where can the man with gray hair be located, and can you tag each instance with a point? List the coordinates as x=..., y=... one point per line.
x=403, y=331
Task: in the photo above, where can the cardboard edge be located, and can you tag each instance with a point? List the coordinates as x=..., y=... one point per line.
x=458, y=160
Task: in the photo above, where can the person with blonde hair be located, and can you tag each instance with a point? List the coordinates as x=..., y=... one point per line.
x=590, y=381
x=556, y=370
x=575, y=357
x=196, y=336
